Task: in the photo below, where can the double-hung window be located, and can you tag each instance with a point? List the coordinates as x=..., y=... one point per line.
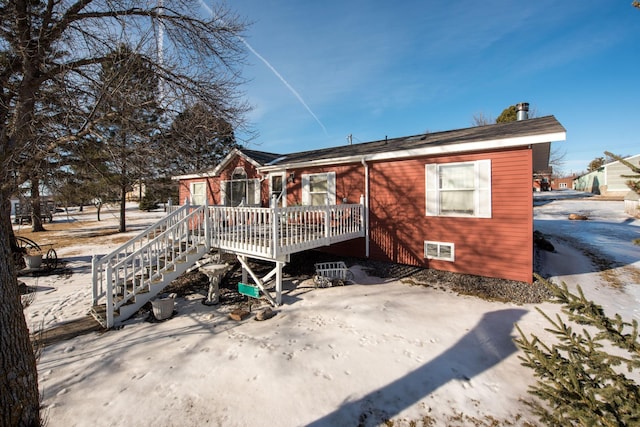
x=198, y=193
x=319, y=189
x=459, y=189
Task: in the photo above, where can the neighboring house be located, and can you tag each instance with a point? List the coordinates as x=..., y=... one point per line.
x=564, y=183
x=607, y=180
x=136, y=192
x=590, y=182
x=458, y=201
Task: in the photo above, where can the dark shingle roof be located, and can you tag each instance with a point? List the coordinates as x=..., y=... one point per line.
x=261, y=157
x=538, y=126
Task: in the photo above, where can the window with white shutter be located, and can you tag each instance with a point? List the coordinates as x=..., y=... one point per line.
x=319, y=189
x=458, y=189
x=198, y=193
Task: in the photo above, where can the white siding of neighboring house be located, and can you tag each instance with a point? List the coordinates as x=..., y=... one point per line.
x=607, y=180
x=613, y=171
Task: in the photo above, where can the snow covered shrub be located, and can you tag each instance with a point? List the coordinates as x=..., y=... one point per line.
x=582, y=378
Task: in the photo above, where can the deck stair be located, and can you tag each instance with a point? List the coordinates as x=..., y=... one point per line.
x=136, y=272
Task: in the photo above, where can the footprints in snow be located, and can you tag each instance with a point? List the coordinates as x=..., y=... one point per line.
x=308, y=329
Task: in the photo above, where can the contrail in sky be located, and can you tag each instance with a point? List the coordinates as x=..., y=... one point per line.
x=274, y=71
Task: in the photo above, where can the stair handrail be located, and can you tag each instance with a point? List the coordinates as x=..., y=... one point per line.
x=130, y=257
x=98, y=263
x=148, y=230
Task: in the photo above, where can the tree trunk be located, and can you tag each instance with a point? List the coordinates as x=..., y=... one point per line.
x=123, y=185
x=36, y=214
x=123, y=208
x=19, y=397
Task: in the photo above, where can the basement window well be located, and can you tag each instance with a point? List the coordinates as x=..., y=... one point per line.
x=439, y=250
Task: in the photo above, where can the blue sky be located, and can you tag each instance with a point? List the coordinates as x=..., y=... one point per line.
x=380, y=68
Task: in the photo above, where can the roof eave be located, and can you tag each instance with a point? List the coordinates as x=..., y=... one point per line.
x=193, y=176
x=427, y=151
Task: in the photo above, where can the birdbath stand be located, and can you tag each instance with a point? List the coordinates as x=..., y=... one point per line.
x=214, y=272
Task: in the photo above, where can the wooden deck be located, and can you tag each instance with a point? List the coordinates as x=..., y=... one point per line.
x=137, y=271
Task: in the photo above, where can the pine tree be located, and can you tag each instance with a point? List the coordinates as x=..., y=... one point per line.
x=129, y=117
x=198, y=139
x=582, y=378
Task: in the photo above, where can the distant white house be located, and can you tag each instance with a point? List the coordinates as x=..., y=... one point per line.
x=607, y=180
x=14, y=202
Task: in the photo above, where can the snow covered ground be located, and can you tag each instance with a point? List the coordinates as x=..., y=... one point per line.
x=597, y=254
x=341, y=356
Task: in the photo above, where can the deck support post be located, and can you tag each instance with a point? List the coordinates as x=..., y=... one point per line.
x=277, y=271
x=275, y=217
x=279, y=265
x=207, y=225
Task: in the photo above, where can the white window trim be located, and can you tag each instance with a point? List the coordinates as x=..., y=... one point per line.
x=331, y=187
x=284, y=187
x=192, y=192
x=440, y=245
x=482, y=189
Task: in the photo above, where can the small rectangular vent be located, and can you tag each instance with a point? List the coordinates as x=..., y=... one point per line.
x=439, y=250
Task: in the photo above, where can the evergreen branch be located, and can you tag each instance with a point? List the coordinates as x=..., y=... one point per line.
x=577, y=378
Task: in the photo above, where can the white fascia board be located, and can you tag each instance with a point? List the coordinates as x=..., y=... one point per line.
x=193, y=176
x=223, y=163
x=428, y=151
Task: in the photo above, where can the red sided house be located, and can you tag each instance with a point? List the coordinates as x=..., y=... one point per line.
x=459, y=201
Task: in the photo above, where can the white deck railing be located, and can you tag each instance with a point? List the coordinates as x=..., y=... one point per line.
x=274, y=232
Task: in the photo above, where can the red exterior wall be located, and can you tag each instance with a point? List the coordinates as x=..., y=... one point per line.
x=350, y=186
x=213, y=183
x=349, y=183
x=500, y=246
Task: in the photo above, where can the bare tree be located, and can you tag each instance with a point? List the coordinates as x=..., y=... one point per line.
x=62, y=44
x=557, y=158
x=480, y=119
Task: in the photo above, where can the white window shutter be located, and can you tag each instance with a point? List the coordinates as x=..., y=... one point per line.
x=484, y=188
x=256, y=192
x=306, y=196
x=224, y=187
x=331, y=187
x=431, y=187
